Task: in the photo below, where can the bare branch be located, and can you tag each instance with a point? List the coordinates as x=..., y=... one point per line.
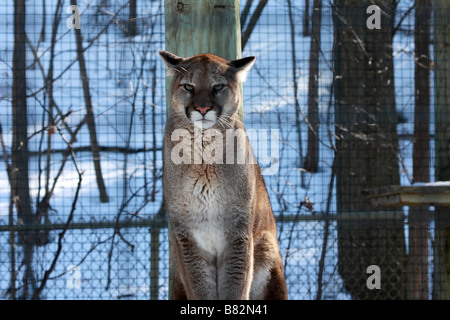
x=68, y=222
x=90, y=120
x=251, y=25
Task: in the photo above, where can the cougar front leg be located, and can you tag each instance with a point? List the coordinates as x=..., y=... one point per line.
x=196, y=270
x=235, y=270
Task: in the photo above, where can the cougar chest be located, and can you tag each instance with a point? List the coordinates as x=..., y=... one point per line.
x=207, y=209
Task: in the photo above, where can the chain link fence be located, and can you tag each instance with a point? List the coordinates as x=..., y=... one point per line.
x=95, y=102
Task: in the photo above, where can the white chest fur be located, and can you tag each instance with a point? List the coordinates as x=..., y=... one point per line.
x=210, y=237
x=207, y=209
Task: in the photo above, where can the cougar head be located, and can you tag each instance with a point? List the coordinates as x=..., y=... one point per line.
x=205, y=87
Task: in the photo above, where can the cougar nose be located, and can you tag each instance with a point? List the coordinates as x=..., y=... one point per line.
x=202, y=110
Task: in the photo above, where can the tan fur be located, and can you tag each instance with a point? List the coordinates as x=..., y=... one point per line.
x=225, y=234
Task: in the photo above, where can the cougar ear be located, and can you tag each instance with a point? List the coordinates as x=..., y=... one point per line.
x=171, y=61
x=242, y=66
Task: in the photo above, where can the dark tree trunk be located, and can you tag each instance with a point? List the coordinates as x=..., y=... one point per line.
x=367, y=147
x=419, y=216
x=295, y=87
x=132, y=23
x=90, y=120
x=312, y=154
x=19, y=153
x=253, y=20
x=442, y=122
x=306, y=20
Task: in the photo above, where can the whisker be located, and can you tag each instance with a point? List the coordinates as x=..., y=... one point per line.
x=224, y=122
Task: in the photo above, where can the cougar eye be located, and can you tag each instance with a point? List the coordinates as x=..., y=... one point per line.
x=188, y=87
x=218, y=87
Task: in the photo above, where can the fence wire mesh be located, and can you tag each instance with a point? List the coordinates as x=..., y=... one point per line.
x=95, y=109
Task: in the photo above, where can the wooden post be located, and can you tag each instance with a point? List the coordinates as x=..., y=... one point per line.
x=154, y=262
x=201, y=26
x=418, y=218
x=441, y=288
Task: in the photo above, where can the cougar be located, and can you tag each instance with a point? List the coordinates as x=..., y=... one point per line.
x=225, y=243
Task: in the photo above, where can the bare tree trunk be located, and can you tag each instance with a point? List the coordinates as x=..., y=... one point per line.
x=90, y=115
x=326, y=232
x=417, y=288
x=306, y=19
x=154, y=255
x=51, y=102
x=44, y=18
x=12, y=233
x=245, y=13
x=295, y=85
x=253, y=20
x=312, y=153
x=19, y=165
x=367, y=145
x=154, y=169
x=132, y=24
x=12, y=240
x=442, y=122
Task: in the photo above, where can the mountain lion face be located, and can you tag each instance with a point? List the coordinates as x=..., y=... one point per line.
x=205, y=88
